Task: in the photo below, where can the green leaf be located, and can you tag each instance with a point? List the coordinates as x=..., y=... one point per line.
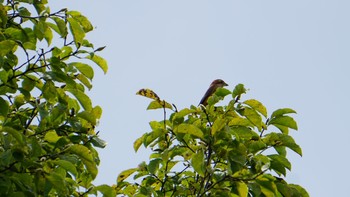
x=84, y=80
x=218, y=124
x=182, y=113
x=257, y=105
x=286, y=121
x=242, y=189
x=70, y=167
x=3, y=76
x=189, y=129
x=4, y=107
x=51, y=136
x=48, y=35
x=280, y=163
x=57, y=181
x=281, y=112
x=102, y=63
x=158, y=104
x=106, y=190
x=222, y=92
x=29, y=84
x=238, y=91
x=253, y=117
x=289, y=142
x=6, y=46
x=85, y=69
x=198, y=163
x=238, y=121
x=49, y=91
x=97, y=112
x=300, y=191
x=125, y=174
x=83, y=99
x=77, y=31
x=244, y=133
x=15, y=133
x=98, y=142
x=85, y=155
x=267, y=185
x=83, y=21
x=138, y=143
x=256, y=146
x=88, y=116
x=154, y=165
x=61, y=26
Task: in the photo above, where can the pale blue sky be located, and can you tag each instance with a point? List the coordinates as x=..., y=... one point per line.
x=288, y=53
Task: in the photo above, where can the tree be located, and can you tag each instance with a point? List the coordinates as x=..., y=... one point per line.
x=47, y=122
x=233, y=150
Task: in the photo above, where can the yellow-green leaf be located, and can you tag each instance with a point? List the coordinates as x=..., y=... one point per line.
x=286, y=121
x=102, y=63
x=125, y=174
x=6, y=46
x=218, y=124
x=198, y=162
x=253, y=117
x=257, y=105
x=77, y=31
x=242, y=189
x=189, y=129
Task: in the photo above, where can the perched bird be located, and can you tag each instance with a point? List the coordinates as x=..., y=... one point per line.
x=218, y=83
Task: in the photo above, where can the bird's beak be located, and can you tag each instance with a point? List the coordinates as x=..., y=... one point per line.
x=225, y=84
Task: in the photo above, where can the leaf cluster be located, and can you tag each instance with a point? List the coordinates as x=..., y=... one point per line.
x=215, y=150
x=47, y=122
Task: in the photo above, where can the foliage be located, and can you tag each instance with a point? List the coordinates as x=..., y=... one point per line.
x=215, y=150
x=47, y=122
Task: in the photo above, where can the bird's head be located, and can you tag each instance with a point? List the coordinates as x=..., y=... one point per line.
x=218, y=83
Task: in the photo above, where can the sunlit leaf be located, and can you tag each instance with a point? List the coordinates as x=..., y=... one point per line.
x=300, y=190
x=85, y=69
x=242, y=189
x=51, y=136
x=70, y=167
x=6, y=46
x=281, y=112
x=158, y=104
x=280, y=164
x=253, y=117
x=106, y=190
x=238, y=91
x=125, y=174
x=198, y=162
x=189, y=129
x=286, y=121
x=257, y=105
x=218, y=124
x=83, y=21
x=83, y=99
x=138, y=143
x=77, y=31
x=102, y=63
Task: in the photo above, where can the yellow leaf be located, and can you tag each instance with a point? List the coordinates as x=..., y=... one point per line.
x=148, y=93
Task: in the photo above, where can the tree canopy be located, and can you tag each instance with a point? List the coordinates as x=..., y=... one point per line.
x=217, y=150
x=47, y=122
x=48, y=139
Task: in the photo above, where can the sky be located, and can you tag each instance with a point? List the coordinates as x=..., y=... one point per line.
x=288, y=53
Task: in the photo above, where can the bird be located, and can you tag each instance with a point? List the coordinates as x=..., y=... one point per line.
x=217, y=83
